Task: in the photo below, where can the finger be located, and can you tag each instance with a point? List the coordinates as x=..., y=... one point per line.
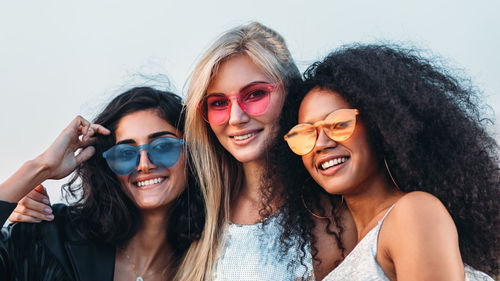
x=83, y=124
x=94, y=129
x=39, y=194
x=41, y=189
x=34, y=205
x=100, y=129
x=16, y=217
x=26, y=212
x=85, y=154
x=87, y=142
x=80, y=123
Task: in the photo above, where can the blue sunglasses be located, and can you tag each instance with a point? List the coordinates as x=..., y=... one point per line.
x=123, y=159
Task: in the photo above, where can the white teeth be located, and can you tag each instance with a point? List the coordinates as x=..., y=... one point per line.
x=243, y=137
x=149, y=182
x=333, y=162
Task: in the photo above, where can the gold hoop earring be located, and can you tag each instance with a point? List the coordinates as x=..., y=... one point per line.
x=305, y=205
x=390, y=175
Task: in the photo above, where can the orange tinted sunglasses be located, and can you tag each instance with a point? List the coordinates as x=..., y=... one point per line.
x=338, y=126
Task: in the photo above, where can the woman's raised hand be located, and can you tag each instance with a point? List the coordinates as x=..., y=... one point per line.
x=58, y=161
x=61, y=158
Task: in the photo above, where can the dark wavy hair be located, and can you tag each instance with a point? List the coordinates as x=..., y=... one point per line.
x=103, y=211
x=428, y=124
x=286, y=178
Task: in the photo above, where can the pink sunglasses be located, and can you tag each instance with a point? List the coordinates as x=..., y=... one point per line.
x=253, y=100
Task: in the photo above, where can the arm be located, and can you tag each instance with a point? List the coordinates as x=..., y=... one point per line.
x=419, y=241
x=58, y=161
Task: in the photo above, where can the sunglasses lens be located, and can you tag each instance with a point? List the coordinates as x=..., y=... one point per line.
x=340, y=124
x=122, y=159
x=215, y=109
x=165, y=152
x=255, y=99
x=301, y=138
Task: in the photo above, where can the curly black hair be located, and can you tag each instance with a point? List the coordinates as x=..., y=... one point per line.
x=103, y=211
x=428, y=124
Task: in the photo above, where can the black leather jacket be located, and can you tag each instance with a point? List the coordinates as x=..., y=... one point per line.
x=51, y=251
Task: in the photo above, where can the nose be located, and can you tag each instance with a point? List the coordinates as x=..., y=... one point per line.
x=144, y=164
x=323, y=141
x=236, y=114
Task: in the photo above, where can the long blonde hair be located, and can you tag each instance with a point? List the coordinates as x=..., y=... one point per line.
x=217, y=171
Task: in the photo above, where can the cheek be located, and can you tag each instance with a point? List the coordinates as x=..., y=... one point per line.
x=178, y=173
x=275, y=108
x=308, y=163
x=122, y=180
x=218, y=130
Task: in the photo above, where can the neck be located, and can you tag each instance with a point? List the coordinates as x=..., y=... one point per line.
x=253, y=173
x=148, y=249
x=370, y=201
x=247, y=203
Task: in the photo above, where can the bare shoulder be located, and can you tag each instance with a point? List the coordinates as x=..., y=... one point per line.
x=420, y=207
x=419, y=212
x=419, y=238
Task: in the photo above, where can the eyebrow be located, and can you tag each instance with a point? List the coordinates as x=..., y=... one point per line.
x=244, y=87
x=150, y=137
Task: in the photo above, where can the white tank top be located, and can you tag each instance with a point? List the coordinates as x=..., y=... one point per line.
x=252, y=252
x=361, y=263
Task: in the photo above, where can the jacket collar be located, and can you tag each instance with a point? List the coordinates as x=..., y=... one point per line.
x=91, y=261
x=87, y=260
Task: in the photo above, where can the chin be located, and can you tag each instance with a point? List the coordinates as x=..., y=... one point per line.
x=331, y=185
x=152, y=205
x=248, y=157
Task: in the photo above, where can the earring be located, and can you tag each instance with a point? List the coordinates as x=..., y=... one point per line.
x=305, y=205
x=390, y=175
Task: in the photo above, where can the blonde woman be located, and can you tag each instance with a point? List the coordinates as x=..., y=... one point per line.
x=236, y=96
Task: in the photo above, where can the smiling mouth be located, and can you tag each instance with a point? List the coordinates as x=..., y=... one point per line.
x=333, y=162
x=150, y=182
x=245, y=136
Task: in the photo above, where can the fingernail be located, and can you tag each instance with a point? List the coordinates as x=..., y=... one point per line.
x=37, y=220
x=46, y=201
x=48, y=210
x=50, y=217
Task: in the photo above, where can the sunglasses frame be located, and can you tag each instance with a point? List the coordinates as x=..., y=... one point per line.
x=138, y=149
x=203, y=107
x=321, y=124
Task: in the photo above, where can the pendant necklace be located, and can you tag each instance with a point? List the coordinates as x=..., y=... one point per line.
x=129, y=260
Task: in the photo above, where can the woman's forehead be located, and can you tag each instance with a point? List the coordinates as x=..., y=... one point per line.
x=142, y=124
x=318, y=103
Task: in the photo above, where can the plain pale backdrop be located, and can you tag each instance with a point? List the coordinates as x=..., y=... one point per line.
x=60, y=58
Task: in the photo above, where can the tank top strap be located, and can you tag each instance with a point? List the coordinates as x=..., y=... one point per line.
x=386, y=213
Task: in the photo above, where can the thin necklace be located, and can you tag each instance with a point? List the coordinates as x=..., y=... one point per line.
x=129, y=260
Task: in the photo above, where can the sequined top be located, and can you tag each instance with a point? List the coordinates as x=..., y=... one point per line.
x=361, y=263
x=252, y=252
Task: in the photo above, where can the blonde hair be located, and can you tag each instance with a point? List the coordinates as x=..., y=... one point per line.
x=217, y=171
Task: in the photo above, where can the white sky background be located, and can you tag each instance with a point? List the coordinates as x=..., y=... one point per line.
x=60, y=58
